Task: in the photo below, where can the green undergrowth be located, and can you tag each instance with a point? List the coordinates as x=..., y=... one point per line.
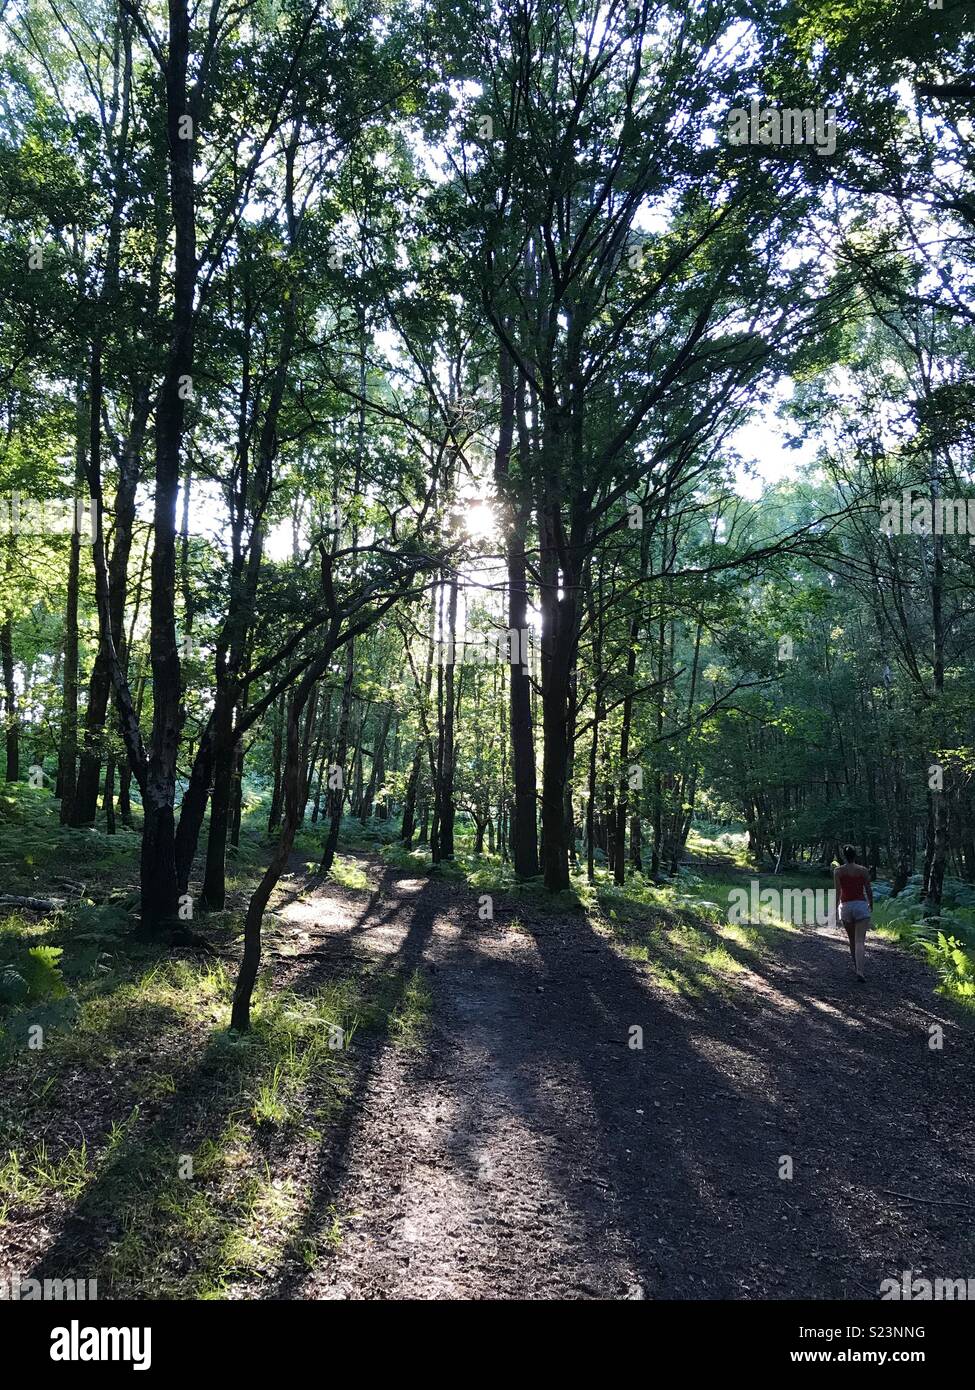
x=183, y=1156
x=345, y=871
x=946, y=940
x=715, y=844
x=39, y=857
x=396, y=857
x=678, y=933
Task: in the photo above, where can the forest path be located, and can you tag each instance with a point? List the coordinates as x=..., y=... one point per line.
x=528, y=1151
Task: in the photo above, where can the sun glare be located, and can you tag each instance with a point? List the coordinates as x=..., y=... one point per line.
x=480, y=521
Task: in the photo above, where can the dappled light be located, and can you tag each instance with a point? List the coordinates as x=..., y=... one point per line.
x=487, y=661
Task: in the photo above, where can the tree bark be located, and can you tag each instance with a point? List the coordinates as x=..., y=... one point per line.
x=250, y=963
x=378, y=770
x=100, y=682
x=11, y=727
x=67, y=759
x=160, y=894
x=445, y=809
x=524, y=805
x=336, y=794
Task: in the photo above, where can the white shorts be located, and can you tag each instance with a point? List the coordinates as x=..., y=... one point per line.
x=854, y=911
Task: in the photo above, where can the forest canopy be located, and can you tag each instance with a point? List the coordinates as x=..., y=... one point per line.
x=486, y=497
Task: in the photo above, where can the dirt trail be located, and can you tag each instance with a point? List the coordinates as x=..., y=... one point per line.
x=529, y=1151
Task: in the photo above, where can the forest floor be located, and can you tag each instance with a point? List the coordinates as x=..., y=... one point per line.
x=492, y=1130
x=530, y=1151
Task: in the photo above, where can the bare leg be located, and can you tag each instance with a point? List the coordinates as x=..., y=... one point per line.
x=849, y=929
x=861, y=941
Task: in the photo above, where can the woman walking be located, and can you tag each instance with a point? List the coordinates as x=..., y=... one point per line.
x=855, y=897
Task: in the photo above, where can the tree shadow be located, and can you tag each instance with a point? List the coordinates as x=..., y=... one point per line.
x=737, y=1151
x=145, y=1220
x=711, y=1135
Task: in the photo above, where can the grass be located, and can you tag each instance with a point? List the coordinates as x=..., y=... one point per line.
x=676, y=938
x=186, y=1153
x=410, y=1018
x=350, y=874
x=187, y=1193
x=185, y=1150
x=396, y=857
x=679, y=932
x=26, y=1178
x=713, y=843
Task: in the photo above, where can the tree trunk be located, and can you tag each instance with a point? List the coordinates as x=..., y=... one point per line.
x=378, y=770
x=67, y=760
x=409, y=803
x=11, y=728
x=237, y=795
x=108, y=799
x=336, y=793
x=446, y=762
x=935, y=876
x=277, y=753
x=622, y=804
x=250, y=963
x=160, y=895
x=100, y=682
x=214, y=894
x=524, y=805
x=556, y=689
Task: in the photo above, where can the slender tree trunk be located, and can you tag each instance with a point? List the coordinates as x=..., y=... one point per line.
x=193, y=806
x=445, y=807
x=67, y=762
x=336, y=793
x=591, y=800
x=378, y=770
x=125, y=779
x=560, y=620
x=636, y=843
x=108, y=798
x=291, y=780
x=277, y=754
x=622, y=805
x=214, y=894
x=237, y=795
x=409, y=803
x=160, y=894
x=524, y=807
x=316, y=809
x=100, y=682
x=11, y=727
x=934, y=880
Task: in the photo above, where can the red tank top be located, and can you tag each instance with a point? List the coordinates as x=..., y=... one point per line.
x=853, y=883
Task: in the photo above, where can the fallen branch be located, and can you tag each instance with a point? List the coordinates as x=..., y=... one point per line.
x=34, y=904
x=78, y=888
x=932, y=1201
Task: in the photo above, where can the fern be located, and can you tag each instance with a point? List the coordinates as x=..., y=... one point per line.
x=954, y=966
x=42, y=972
